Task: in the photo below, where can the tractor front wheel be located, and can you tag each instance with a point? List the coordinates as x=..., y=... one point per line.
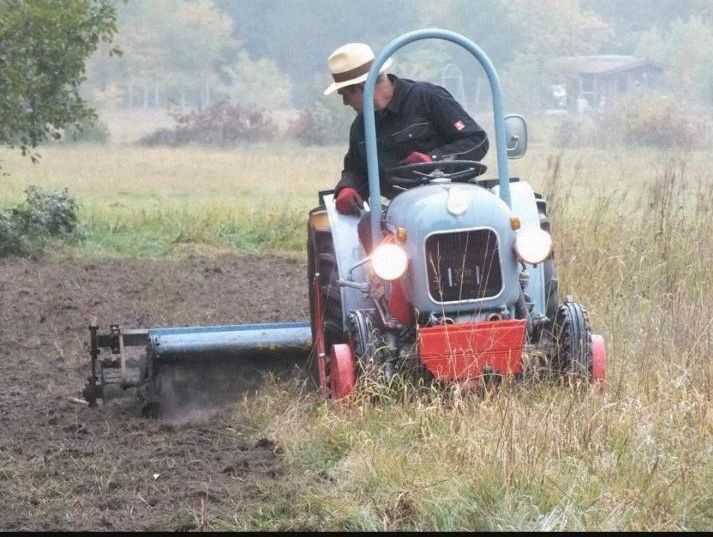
x=573, y=335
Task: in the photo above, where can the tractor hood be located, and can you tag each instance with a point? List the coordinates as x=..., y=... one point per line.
x=459, y=240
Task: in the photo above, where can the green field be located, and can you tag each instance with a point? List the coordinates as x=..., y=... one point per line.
x=144, y=202
x=156, y=202
x=632, y=231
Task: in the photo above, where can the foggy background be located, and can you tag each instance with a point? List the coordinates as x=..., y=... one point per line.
x=270, y=55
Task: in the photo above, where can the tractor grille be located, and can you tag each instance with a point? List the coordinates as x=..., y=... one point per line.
x=464, y=265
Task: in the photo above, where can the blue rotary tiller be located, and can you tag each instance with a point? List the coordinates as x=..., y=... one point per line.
x=255, y=347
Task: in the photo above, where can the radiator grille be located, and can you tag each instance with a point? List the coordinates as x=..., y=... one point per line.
x=464, y=265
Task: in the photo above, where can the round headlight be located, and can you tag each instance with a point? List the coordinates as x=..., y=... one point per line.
x=533, y=245
x=389, y=261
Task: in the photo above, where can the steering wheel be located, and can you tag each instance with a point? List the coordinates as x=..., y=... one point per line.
x=409, y=175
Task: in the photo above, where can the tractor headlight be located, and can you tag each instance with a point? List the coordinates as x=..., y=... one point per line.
x=389, y=261
x=533, y=245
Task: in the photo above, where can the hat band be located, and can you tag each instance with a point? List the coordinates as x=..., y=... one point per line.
x=352, y=73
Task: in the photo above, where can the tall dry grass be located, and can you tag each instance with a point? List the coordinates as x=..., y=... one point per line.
x=637, y=456
x=632, y=230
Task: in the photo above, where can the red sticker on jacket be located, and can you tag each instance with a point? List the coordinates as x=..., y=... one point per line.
x=459, y=125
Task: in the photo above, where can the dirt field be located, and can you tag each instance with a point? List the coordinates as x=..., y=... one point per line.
x=64, y=466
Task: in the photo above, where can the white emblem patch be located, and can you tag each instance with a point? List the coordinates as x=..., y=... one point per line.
x=458, y=200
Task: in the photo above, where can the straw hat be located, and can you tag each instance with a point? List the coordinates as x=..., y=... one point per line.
x=350, y=64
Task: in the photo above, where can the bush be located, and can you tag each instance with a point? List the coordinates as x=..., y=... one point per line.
x=656, y=120
x=222, y=125
x=576, y=131
x=12, y=240
x=319, y=124
x=94, y=132
x=44, y=214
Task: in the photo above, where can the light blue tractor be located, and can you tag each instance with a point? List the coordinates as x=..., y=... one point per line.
x=462, y=285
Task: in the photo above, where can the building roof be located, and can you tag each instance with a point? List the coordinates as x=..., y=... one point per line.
x=605, y=64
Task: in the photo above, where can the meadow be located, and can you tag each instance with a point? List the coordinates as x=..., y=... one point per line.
x=632, y=230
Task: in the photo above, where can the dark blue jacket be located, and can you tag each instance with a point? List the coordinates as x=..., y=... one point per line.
x=420, y=117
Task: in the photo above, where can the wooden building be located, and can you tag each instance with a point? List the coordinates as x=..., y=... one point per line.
x=596, y=82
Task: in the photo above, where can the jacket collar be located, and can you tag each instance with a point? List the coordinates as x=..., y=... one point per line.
x=401, y=88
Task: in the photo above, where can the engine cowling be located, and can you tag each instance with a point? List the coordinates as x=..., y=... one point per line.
x=459, y=241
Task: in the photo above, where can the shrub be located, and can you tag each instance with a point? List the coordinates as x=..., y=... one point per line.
x=320, y=124
x=96, y=131
x=576, y=131
x=222, y=125
x=12, y=240
x=655, y=119
x=44, y=214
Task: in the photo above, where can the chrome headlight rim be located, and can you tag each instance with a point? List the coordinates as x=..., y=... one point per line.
x=389, y=261
x=533, y=245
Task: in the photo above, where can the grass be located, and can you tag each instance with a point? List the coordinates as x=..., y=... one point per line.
x=138, y=202
x=637, y=456
x=530, y=458
x=632, y=230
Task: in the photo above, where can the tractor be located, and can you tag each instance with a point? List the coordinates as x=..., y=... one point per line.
x=459, y=286
x=462, y=284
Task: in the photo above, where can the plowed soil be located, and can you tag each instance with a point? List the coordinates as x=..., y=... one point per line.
x=65, y=466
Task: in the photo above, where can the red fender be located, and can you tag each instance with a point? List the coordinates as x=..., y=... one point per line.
x=599, y=359
x=341, y=372
x=399, y=306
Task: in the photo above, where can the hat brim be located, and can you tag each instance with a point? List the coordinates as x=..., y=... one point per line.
x=334, y=86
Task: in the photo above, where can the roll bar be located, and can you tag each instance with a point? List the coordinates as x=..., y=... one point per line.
x=370, y=123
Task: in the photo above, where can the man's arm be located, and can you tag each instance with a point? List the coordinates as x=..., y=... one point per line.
x=466, y=140
x=354, y=174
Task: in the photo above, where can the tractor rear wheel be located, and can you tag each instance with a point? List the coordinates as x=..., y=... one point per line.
x=325, y=301
x=573, y=335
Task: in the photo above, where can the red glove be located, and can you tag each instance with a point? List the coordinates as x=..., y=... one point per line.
x=349, y=201
x=416, y=157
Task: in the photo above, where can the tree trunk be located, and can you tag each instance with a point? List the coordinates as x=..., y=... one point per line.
x=206, y=94
x=478, y=89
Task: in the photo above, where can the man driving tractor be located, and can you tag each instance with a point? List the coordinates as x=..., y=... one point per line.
x=415, y=121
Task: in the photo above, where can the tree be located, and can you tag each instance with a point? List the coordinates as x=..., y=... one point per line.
x=635, y=18
x=181, y=52
x=551, y=29
x=44, y=46
x=169, y=51
x=560, y=27
x=255, y=83
x=686, y=52
x=298, y=35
